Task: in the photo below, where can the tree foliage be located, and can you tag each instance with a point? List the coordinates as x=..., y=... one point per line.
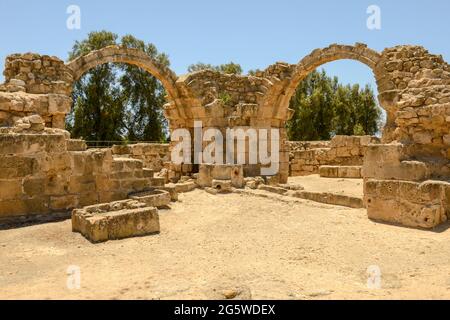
x=228, y=68
x=324, y=108
x=114, y=102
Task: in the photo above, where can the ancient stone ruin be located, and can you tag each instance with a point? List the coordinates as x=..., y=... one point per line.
x=44, y=172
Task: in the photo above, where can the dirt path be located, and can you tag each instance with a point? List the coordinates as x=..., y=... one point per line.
x=209, y=244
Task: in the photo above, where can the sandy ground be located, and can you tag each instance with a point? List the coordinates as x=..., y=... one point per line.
x=315, y=183
x=208, y=244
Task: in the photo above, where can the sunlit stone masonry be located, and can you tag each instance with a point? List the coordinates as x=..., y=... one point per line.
x=44, y=172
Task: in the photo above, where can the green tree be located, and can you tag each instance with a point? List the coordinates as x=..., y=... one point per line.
x=144, y=96
x=229, y=68
x=312, y=105
x=368, y=114
x=97, y=112
x=117, y=101
x=324, y=108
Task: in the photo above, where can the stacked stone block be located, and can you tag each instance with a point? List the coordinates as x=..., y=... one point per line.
x=152, y=155
x=343, y=154
x=40, y=177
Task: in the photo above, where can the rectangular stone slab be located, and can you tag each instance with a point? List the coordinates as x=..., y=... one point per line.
x=153, y=198
x=116, y=220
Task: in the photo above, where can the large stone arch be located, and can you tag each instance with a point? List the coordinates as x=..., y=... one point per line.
x=276, y=104
x=179, y=97
x=117, y=54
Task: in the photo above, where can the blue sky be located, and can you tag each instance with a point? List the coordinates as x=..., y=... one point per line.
x=254, y=33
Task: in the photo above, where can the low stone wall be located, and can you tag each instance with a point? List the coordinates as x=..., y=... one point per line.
x=35, y=84
x=152, y=155
x=416, y=204
x=39, y=176
x=403, y=190
x=306, y=157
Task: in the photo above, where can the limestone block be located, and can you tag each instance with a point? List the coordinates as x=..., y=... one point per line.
x=349, y=172
x=31, y=143
x=10, y=189
x=329, y=171
x=114, y=195
x=185, y=186
x=17, y=166
x=386, y=161
x=157, y=181
x=23, y=207
x=76, y=145
x=204, y=178
x=171, y=188
x=408, y=203
x=63, y=203
x=273, y=189
x=221, y=171
x=34, y=186
x=87, y=183
x=222, y=186
x=148, y=173
x=237, y=176
x=121, y=149
x=330, y=198
x=59, y=104
x=211, y=190
x=422, y=137
x=116, y=220
x=153, y=198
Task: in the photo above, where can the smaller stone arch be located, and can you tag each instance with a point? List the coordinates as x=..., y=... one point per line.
x=359, y=52
x=281, y=93
x=117, y=54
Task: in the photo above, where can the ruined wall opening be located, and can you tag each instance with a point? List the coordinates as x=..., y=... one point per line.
x=114, y=103
x=334, y=118
x=343, y=117
x=119, y=95
x=328, y=102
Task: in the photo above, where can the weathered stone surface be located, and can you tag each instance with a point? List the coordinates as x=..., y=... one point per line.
x=209, y=172
x=412, y=204
x=117, y=220
x=152, y=155
x=184, y=186
x=344, y=151
x=331, y=198
x=273, y=189
x=171, y=188
x=222, y=186
x=153, y=198
x=340, y=172
x=76, y=145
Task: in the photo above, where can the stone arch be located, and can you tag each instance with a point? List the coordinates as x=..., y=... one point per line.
x=117, y=54
x=276, y=104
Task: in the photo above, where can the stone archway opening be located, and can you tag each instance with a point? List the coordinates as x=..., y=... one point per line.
x=337, y=98
x=165, y=90
x=332, y=123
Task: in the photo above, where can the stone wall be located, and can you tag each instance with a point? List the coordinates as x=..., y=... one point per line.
x=35, y=84
x=152, y=155
x=307, y=157
x=39, y=176
x=407, y=172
